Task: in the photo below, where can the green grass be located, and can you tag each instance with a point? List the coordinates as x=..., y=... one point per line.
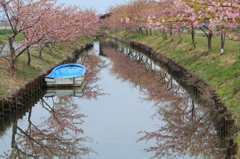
x=4, y=38
x=28, y=71
x=19, y=37
x=57, y=56
x=5, y=31
x=2, y=92
x=222, y=71
x=13, y=80
x=84, y=39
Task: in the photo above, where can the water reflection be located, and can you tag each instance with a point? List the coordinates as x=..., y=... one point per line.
x=54, y=126
x=69, y=91
x=54, y=136
x=94, y=64
x=57, y=133
x=188, y=128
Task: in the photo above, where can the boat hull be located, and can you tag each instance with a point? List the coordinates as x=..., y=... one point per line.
x=66, y=75
x=75, y=81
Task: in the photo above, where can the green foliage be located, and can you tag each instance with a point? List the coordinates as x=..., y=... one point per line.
x=84, y=39
x=222, y=71
x=5, y=31
x=211, y=15
x=2, y=92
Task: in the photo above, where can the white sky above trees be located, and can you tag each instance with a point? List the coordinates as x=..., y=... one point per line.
x=100, y=6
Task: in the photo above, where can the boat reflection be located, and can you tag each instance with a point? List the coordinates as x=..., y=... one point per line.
x=45, y=127
x=56, y=132
x=66, y=91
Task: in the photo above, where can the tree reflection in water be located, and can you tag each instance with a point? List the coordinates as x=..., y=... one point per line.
x=94, y=65
x=188, y=127
x=59, y=135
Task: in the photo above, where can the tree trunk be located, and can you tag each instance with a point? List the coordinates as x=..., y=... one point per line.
x=141, y=30
x=14, y=131
x=51, y=47
x=137, y=30
x=41, y=51
x=12, y=52
x=29, y=57
x=223, y=37
x=210, y=40
x=193, y=36
x=171, y=32
x=164, y=34
x=2, y=48
x=209, y=37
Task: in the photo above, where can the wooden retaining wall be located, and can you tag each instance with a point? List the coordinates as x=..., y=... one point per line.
x=29, y=91
x=225, y=125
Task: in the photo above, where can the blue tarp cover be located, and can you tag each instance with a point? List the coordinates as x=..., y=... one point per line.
x=68, y=71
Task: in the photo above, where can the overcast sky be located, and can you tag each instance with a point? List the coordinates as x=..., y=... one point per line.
x=100, y=6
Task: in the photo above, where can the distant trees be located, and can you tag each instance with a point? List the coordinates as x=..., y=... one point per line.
x=173, y=16
x=43, y=22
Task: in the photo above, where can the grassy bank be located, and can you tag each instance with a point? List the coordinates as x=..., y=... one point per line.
x=13, y=80
x=222, y=71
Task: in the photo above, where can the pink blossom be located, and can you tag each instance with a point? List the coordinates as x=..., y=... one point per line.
x=127, y=20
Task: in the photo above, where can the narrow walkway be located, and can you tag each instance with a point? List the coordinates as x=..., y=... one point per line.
x=5, y=50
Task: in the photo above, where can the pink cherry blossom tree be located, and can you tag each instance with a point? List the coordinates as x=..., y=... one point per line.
x=19, y=14
x=43, y=22
x=173, y=16
x=208, y=15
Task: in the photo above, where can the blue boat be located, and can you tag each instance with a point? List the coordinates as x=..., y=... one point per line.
x=66, y=75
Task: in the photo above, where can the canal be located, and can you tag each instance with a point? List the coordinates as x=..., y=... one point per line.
x=127, y=108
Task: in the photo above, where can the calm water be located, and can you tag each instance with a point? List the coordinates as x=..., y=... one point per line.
x=128, y=108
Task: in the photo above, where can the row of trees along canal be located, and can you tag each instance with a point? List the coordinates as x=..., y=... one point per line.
x=60, y=134
x=172, y=17
x=43, y=22
x=188, y=125
x=188, y=111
